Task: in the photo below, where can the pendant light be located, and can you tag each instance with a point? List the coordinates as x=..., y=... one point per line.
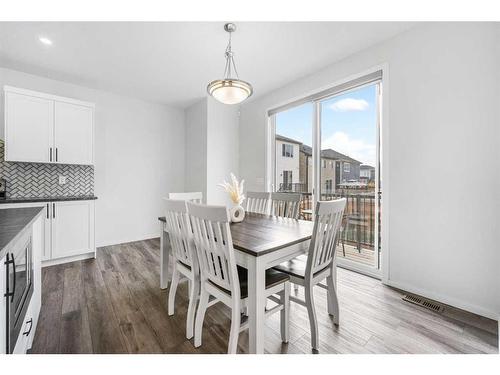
x=230, y=89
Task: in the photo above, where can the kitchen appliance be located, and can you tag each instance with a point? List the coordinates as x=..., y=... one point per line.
x=3, y=188
x=19, y=267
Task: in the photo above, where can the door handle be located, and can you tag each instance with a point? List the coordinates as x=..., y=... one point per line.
x=31, y=326
x=56, y=153
x=50, y=154
x=47, y=210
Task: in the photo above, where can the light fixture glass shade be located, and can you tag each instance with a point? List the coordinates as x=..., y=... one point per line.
x=230, y=90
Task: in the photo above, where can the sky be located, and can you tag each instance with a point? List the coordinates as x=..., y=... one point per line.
x=348, y=124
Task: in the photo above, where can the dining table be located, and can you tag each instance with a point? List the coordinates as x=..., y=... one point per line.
x=260, y=242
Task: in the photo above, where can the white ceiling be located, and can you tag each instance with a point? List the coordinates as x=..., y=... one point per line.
x=172, y=62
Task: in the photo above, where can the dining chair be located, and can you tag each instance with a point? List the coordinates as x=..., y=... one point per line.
x=309, y=270
x=258, y=202
x=223, y=280
x=184, y=256
x=285, y=204
x=196, y=196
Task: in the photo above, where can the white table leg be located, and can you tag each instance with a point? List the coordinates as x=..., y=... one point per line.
x=256, y=304
x=164, y=258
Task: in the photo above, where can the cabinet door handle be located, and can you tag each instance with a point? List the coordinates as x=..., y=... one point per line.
x=47, y=210
x=50, y=154
x=31, y=326
x=54, y=210
x=56, y=153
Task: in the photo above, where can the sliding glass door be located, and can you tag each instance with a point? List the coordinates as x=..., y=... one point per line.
x=349, y=168
x=327, y=147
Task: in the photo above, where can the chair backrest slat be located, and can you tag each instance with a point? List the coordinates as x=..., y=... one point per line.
x=285, y=204
x=214, y=246
x=179, y=231
x=196, y=196
x=328, y=218
x=257, y=202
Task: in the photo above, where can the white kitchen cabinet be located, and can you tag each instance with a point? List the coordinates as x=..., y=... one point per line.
x=44, y=128
x=72, y=224
x=73, y=133
x=65, y=241
x=29, y=127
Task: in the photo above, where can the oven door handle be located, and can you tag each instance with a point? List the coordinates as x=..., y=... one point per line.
x=11, y=293
x=13, y=286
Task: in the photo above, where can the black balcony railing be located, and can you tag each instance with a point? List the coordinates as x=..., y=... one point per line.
x=296, y=187
x=359, y=214
x=359, y=217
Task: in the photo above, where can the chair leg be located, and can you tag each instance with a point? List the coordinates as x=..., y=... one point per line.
x=311, y=311
x=332, y=299
x=173, y=290
x=200, y=317
x=193, y=298
x=285, y=313
x=235, y=328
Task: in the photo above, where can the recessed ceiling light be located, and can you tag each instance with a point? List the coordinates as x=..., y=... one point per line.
x=45, y=40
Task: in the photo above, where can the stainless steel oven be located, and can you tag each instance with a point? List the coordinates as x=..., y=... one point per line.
x=19, y=265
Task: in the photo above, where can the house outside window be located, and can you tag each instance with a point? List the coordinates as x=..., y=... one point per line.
x=329, y=185
x=324, y=163
x=287, y=150
x=347, y=167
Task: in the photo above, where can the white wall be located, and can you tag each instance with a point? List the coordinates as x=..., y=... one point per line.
x=222, y=148
x=139, y=156
x=212, y=148
x=196, y=148
x=443, y=180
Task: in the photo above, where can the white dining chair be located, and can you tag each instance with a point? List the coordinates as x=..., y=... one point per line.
x=184, y=256
x=257, y=202
x=196, y=196
x=319, y=264
x=285, y=204
x=222, y=279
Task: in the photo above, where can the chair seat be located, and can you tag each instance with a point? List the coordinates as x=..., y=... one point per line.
x=296, y=267
x=273, y=278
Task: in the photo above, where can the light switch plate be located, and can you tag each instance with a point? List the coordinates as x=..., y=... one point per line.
x=62, y=180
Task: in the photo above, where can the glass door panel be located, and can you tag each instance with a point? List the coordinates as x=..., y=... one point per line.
x=293, y=154
x=349, y=168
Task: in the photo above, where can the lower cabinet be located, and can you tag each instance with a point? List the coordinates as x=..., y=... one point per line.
x=68, y=229
x=72, y=228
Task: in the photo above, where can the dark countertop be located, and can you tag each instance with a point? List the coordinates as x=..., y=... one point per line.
x=13, y=221
x=48, y=199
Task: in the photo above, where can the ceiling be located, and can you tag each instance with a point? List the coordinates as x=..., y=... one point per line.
x=172, y=62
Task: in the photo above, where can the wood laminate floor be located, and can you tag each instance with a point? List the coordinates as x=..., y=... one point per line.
x=113, y=304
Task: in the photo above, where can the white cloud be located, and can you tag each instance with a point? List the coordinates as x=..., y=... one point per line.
x=355, y=148
x=350, y=104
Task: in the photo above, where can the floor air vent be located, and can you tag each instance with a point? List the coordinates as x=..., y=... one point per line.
x=421, y=301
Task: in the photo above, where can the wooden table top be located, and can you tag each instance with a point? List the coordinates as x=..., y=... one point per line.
x=261, y=234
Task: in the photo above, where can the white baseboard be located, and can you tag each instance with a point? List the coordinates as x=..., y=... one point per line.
x=127, y=240
x=53, y=262
x=444, y=299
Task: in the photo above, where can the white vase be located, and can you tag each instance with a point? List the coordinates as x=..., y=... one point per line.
x=237, y=214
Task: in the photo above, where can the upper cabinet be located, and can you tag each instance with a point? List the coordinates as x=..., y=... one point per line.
x=44, y=128
x=73, y=133
x=29, y=128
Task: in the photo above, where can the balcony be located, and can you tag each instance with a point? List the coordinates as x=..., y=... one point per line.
x=357, y=237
